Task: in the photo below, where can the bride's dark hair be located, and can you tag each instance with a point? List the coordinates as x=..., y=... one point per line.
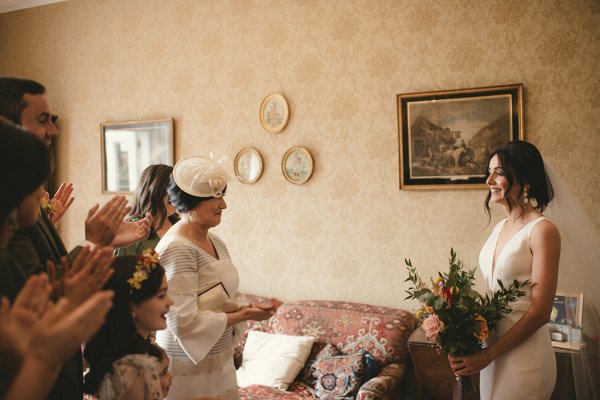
x=522, y=163
x=118, y=336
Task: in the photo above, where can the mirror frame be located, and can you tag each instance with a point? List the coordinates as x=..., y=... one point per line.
x=237, y=167
x=167, y=157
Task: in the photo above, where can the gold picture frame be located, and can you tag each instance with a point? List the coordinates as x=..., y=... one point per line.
x=297, y=165
x=446, y=136
x=248, y=165
x=566, y=320
x=128, y=147
x=274, y=113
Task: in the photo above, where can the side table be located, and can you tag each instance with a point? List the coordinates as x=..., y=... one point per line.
x=433, y=375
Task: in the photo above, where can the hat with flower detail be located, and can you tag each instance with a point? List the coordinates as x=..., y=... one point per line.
x=200, y=176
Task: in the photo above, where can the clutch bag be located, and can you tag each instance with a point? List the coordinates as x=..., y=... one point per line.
x=216, y=298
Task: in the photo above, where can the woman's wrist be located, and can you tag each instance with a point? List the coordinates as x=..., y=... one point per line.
x=487, y=355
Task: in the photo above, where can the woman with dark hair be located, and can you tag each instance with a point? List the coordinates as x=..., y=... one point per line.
x=519, y=361
x=36, y=340
x=208, y=316
x=123, y=362
x=151, y=199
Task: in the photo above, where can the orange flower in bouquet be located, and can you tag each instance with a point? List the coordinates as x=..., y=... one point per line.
x=452, y=313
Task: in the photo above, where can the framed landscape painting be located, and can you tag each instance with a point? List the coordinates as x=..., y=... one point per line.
x=446, y=137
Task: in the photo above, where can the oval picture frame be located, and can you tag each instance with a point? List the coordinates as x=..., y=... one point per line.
x=274, y=113
x=297, y=165
x=248, y=165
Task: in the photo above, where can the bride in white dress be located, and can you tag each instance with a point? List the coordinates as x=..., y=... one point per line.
x=518, y=361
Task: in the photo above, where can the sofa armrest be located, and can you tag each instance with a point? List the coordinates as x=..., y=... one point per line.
x=385, y=385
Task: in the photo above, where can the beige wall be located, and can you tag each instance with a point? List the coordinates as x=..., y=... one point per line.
x=344, y=234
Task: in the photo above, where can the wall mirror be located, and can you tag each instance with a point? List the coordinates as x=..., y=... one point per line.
x=248, y=165
x=129, y=147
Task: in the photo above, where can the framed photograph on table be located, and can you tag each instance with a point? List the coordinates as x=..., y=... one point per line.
x=274, y=113
x=445, y=137
x=129, y=147
x=566, y=320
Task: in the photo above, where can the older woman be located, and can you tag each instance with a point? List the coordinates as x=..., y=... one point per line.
x=204, y=283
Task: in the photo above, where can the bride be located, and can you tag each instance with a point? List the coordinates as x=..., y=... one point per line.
x=518, y=362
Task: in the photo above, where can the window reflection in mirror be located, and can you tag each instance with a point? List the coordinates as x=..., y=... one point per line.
x=129, y=147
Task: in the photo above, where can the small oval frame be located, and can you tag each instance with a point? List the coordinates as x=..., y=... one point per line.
x=237, y=167
x=274, y=113
x=300, y=172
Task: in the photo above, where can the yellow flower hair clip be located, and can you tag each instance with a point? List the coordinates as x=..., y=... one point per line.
x=144, y=265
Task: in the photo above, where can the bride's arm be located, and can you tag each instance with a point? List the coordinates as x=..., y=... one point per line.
x=545, y=248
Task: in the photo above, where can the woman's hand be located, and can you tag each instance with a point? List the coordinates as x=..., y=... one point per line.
x=63, y=328
x=469, y=365
x=83, y=277
x=273, y=306
x=17, y=324
x=131, y=232
x=248, y=313
x=257, y=313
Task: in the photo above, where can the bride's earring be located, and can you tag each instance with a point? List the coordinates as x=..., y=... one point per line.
x=525, y=196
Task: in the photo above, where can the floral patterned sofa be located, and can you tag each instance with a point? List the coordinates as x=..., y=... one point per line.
x=350, y=327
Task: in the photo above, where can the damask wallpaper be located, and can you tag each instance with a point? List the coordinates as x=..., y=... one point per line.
x=343, y=235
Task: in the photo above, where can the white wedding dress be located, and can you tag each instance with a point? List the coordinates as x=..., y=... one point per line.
x=529, y=370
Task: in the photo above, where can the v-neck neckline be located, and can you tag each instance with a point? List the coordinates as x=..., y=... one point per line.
x=499, y=253
x=218, y=258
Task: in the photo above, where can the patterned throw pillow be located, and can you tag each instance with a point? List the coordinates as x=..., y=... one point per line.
x=307, y=373
x=339, y=376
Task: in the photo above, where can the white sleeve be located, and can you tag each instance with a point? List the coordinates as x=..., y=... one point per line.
x=196, y=331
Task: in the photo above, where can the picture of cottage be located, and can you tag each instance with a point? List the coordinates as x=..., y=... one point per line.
x=452, y=138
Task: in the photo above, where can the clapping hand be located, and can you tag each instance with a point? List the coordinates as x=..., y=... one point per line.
x=87, y=274
x=17, y=323
x=102, y=224
x=63, y=327
x=36, y=337
x=131, y=232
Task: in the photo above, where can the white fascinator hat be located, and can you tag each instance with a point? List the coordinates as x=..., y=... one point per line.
x=200, y=176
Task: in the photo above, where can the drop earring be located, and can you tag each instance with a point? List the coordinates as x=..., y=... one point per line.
x=525, y=196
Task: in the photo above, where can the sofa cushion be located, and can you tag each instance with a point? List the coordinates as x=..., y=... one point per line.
x=339, y=376
x=273, y=359
x=309, y=368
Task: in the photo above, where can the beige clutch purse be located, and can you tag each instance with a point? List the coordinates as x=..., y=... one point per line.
x=216, y=298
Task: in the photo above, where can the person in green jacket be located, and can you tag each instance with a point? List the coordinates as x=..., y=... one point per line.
x=151, y=199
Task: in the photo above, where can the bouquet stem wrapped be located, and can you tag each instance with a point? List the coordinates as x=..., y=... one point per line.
x=453, y=314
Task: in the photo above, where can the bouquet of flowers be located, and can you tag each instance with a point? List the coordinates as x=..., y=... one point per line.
x=455, y=315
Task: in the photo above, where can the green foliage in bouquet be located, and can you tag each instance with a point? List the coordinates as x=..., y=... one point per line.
x=455, y=315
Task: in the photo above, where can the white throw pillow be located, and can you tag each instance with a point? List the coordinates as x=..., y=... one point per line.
x=273, y=359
